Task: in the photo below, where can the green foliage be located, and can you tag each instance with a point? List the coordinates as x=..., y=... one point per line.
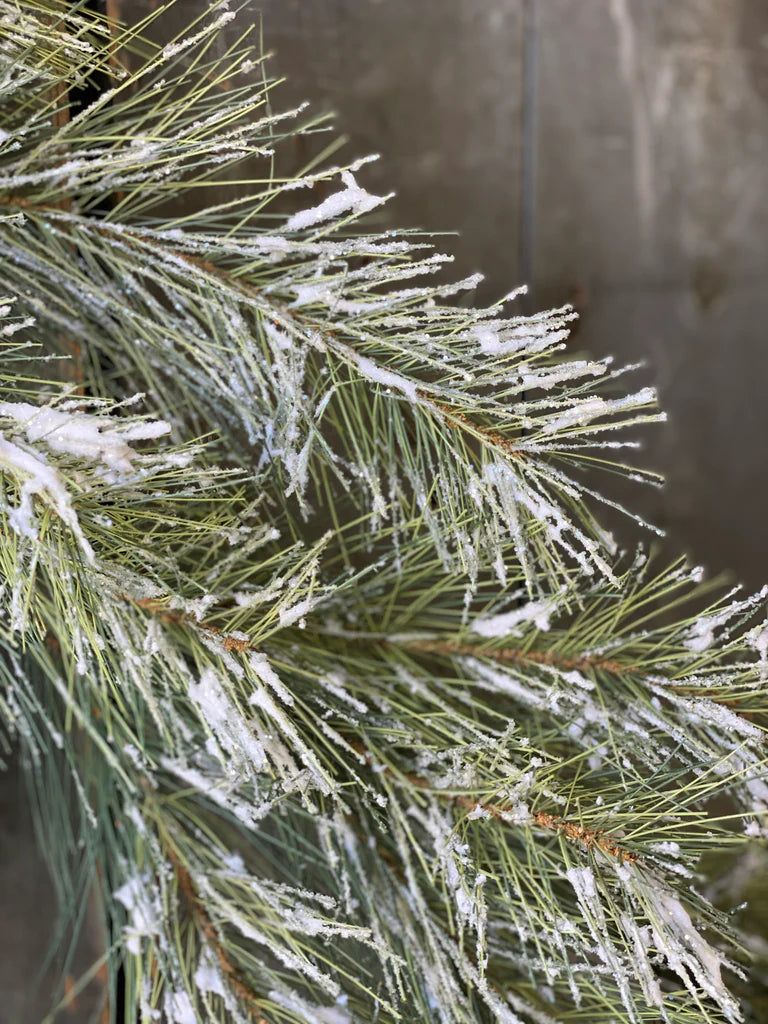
x=324, y=671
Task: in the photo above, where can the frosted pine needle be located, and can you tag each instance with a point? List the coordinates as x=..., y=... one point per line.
x=308, y=614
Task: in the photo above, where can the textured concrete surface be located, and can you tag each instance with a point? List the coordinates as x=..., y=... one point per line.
x=650, y=212
x=653, y=212
x=435, y=87
x=27, y=897
x=36, y=975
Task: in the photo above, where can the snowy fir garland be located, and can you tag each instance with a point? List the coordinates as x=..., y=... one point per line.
x=325, y=674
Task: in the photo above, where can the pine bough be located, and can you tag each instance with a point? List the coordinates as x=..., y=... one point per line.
x=324, y=672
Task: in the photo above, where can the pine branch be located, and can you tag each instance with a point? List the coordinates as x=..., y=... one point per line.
x=283, y=316
x=517, y=656
x=574, y=831
x=374, y=723
x=208, y=932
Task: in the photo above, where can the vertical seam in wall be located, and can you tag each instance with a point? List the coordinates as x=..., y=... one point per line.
x=530, y=132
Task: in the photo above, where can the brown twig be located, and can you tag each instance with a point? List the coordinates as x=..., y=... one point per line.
x=160, y=609
x=449, y=416
x=461, y=420
x=516, y=656
x=586, y=837
x=210, y=935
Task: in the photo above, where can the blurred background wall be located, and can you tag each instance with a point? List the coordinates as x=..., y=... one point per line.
x=611, y=153
x=614, y=154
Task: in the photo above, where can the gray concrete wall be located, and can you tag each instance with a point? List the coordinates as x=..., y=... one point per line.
x=648, y=206
x=36, y=972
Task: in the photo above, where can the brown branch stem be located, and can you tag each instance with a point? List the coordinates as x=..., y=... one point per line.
x=160, y=610
x=517, y=656
x=451, y=417
x=586, y=837
x=461, y=421
x=208, y=931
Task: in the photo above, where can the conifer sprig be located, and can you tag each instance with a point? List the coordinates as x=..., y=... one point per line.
x=460, y=416
x=307, y=613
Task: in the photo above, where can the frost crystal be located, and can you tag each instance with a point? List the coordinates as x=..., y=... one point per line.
x=509, y=623
x=99, y=439
x=144, y=911
x=352, y=201
x=38, y=478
